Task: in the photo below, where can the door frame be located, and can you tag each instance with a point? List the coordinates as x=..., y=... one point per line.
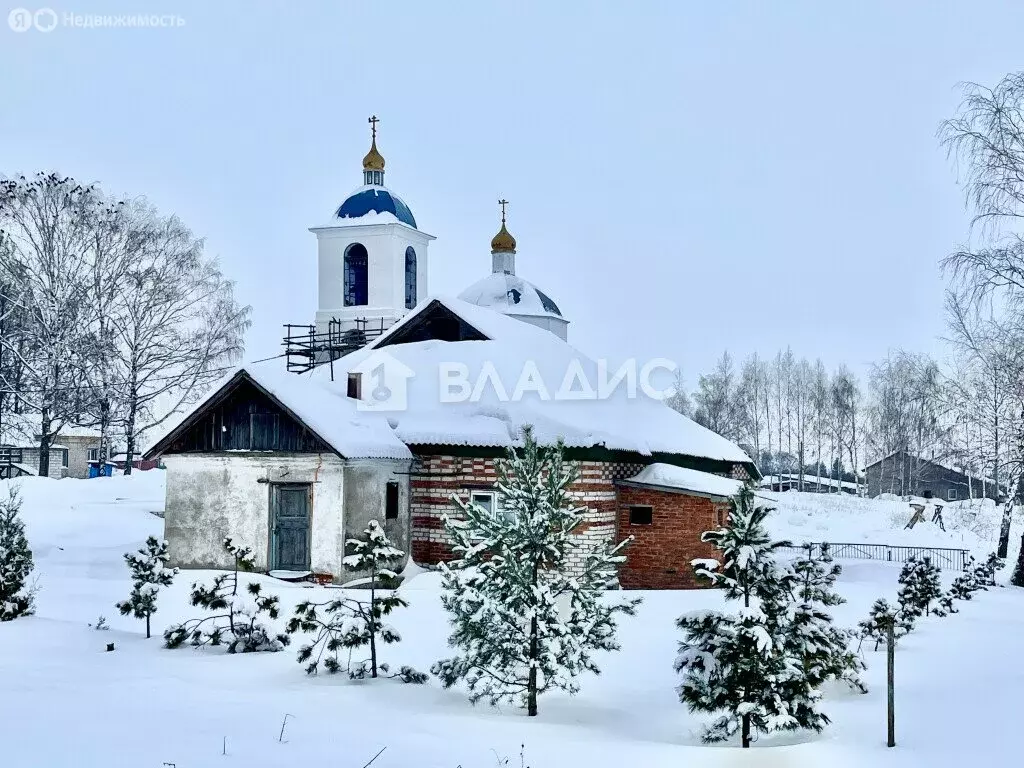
x=272, y=491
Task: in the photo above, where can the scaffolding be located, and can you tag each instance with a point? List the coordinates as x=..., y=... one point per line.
x=305, y=347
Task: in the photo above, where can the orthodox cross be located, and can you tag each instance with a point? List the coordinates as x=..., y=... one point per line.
x=373, y=125
x=503, y=203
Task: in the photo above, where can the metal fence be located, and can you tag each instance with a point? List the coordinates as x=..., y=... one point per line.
x=942, y=557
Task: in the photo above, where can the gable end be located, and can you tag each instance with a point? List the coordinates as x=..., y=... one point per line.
x=242, y=416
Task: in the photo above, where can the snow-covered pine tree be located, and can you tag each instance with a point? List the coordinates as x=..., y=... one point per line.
x=875, y=626
x=236, y=623
x=149, y=572
x=945, y=605
x=16, y=598
x=743, y=665
x=966, y=584
x=920, y=586
x=985, y=573
x=930, y=591
x=350, y=623
x=911, y=595
x=525, y=623
x=825, y=648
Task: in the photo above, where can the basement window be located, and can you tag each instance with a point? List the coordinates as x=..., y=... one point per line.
x=484, y=499
x=951, y=494
x=641, y=515
x=391, y=501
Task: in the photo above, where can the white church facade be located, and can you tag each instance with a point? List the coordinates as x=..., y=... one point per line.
x=293, y=463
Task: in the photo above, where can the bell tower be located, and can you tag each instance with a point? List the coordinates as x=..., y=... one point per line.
x=371, y=256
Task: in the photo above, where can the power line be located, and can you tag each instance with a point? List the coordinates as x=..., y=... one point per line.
x=86, y=388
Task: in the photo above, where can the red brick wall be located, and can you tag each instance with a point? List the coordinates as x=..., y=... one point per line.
x=435, y=478
x=660, y=555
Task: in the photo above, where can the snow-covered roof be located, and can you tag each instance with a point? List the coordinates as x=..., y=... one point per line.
x=17, y=429
x=682, y=479
x=73, y=430
x=786, y=477
x=510, y=295
x=374, y=199
x=22, y=429
x=323, y=406
x=621, y=420
x=519, y=375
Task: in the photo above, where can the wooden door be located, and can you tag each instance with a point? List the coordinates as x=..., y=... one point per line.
x=289, y=533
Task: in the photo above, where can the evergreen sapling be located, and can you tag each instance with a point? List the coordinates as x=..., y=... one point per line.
x=966, y=584
x=149, y=571
x=920, y=586
x=744, y=667
x=16, y=599
x=909, y=609
x=876, y=625
x=825, y=648
x=985, y=573
x=350, y=623
x=522, y=622
x=945, y=605
x=236, y=623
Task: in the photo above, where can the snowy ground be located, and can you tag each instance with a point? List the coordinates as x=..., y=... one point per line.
x=65, y=702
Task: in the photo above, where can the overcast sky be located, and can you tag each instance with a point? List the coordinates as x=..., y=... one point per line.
x=684, y=177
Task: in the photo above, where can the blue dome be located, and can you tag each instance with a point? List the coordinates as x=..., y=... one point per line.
x=377, y=200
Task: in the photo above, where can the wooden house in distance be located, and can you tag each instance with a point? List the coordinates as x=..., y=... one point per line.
x=905, y=474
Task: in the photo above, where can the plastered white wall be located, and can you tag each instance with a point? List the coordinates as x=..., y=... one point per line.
x=211, y=496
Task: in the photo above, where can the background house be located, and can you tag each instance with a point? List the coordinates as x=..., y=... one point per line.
x=904, y=474
x=70, y=452
x=811, y=484
x=19, y=447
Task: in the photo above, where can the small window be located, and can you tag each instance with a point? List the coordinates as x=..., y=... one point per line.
x=951, y=494
x=94, y=454
x=641, y=515
x=720, y=517
x=484, y=499
x=13, y=455
x=355, y=274
x=410, y=278
x=64, y=457
x=355, y=382
x=391, y=501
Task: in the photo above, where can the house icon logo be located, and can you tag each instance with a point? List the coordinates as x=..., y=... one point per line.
x=382, y=382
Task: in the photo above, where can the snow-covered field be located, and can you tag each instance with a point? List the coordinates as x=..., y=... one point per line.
x=66, y=702
x=971, y=525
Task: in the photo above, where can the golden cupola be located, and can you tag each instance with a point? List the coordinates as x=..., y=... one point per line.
x=373, y=163
x=503, y=242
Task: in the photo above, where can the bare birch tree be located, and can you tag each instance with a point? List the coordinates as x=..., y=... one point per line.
x=45, y=223
x=986, y=140
x=715, y=404
x=179, y=325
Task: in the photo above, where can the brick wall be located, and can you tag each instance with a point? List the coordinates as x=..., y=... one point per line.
x=660, y=555
x=436, y=478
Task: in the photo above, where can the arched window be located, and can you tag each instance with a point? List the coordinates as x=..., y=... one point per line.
x=356, y=293
x=410, y=278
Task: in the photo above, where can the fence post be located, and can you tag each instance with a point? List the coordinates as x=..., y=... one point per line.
x=890, y=677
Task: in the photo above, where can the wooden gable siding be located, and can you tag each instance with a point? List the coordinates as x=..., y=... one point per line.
x=435, y=321
x=244, y=419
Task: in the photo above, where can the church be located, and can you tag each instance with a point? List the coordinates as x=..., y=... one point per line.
x=395, y=400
